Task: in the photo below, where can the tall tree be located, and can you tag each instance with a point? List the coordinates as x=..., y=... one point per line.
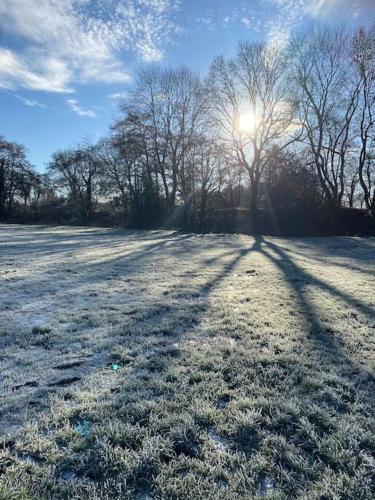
x=170, y=104
x=251, y=108
x=75, y=171
x=328, y=96
x=363, y=53
x=14, y=169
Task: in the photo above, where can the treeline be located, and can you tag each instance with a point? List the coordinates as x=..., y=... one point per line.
x=269, y=130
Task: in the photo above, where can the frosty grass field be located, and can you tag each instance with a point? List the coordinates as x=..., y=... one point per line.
x=164, y=365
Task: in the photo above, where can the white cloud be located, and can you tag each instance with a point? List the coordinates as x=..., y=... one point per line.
x=278, y=18
x=246, y=21
x=63, y=42
x=118, y=95
x=77, y=108
x=31, y=103
x=290, y=14
x=51, y=75
x=351, y=8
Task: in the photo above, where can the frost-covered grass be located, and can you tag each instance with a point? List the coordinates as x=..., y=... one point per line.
x=163, y=365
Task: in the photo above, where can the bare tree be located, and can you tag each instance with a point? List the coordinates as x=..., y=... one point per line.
x=203, y=177
x=126, y=164
x=15, y=169
x=364, y=62
x=170, y=103
x=328, y=94
x=251, y=108
x=76, y=171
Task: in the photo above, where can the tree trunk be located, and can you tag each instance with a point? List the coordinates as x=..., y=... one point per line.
x=89, y=200
x=2, y=187
x=254, y=206
x=202, y=218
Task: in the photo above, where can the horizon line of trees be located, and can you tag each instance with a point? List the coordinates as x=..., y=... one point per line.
x=271, y=128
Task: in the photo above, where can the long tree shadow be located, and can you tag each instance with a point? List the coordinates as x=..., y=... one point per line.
x=143, y=393
x=162, y=331
x=327, y=345
x=363, y=270
x=165, y=323
x=181, y=307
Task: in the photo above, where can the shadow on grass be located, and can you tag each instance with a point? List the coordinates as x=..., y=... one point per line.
x=327, y=344
x=141, y=426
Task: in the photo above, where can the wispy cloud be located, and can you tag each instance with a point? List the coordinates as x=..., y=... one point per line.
x=31, y=103
x=289, y=14
x=64, y=42
x=276, y=19
x=351, y=8
x=118, y=95
x=77, y=108
x=49, y=74
x=246, y=21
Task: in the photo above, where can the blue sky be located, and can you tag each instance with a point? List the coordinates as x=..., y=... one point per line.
x=64, y=63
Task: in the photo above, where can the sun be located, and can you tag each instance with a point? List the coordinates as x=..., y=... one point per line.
x=247, y=122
